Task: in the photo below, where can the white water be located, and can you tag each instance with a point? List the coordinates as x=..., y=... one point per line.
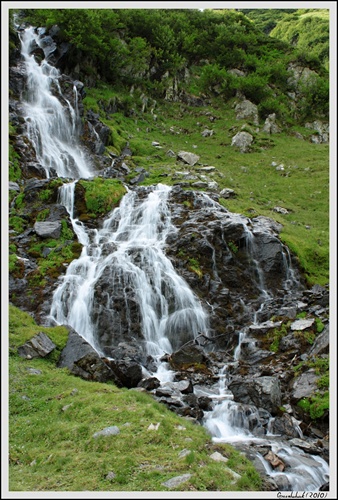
x=137, y=232
x=138, y=229
x=52, y=131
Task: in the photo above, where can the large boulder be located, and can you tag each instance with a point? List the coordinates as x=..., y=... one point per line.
x=83, y=360
x=263, y=392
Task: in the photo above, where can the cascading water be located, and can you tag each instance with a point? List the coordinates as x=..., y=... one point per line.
x=236, y=423
x=130, y=250
x=137, y=230
x=52, y=131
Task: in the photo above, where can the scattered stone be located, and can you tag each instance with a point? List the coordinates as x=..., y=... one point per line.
x=189, y=158
x=227, y=193
x=108, y=431
x=207, y=133
x=242, y=141
x=218, y=457
x=281, y=210
x=33, y=371
x=153, y=427
x=176, y=481
x=65, y=408
x=38, y=346
x=184, y=453
x=302, y=324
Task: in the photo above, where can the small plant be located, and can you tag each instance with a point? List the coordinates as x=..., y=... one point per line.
x=316, y=405
x=319, y=325
x=17, y=223
x=43, y=214
x=233, y=247
x=19, y=201
x=195, y=267
x=277, y=334
x=187, y=204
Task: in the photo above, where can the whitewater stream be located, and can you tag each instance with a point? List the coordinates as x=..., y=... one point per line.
x=136, y=234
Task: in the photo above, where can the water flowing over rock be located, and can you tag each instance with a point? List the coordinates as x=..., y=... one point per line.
x=171, y=293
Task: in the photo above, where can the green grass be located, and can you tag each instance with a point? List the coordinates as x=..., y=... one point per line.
x=102, y=195
x=53, y=416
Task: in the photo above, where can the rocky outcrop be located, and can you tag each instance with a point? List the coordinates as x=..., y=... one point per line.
x=246, y=110
x=38, y=346
x=82, y=360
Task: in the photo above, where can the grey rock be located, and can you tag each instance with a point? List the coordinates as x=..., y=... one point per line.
x=176, y=481
x=242, y=141
x=189, y=158
x=108, y=431
x=48, y=229
x=39, y=346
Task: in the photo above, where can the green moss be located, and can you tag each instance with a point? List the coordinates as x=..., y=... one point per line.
x=233, y=247
x=316, y=406
x=43, y=214
x=319, y=325
x=17, y=223
x=276, y=335
x=102, y=195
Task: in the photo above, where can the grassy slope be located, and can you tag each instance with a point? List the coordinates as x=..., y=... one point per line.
x=51, y=444
x=53, y=416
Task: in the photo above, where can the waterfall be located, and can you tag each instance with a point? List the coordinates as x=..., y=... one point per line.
x=128, y=255
x=136, y=231
x=50, y=129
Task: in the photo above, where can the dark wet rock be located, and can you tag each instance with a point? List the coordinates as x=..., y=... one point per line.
x=285, y=426
x=149, y=383
x=322, y=343
x=82, y=360
x=188, y=356
x=263, y=392
x=127, y=373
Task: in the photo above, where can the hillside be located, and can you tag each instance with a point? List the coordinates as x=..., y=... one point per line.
x=217, y=108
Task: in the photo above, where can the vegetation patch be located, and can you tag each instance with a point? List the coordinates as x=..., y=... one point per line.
x=102, y=195
x=316, y=406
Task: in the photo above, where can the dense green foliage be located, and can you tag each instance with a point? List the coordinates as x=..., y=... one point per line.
x=139, y=47
x=266, y=19
x=306, y=29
